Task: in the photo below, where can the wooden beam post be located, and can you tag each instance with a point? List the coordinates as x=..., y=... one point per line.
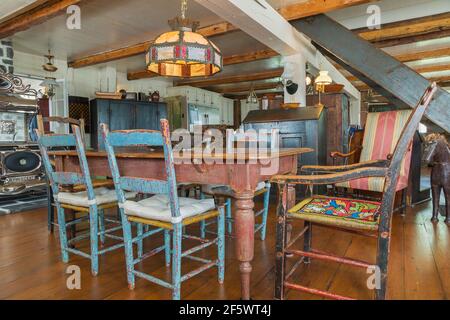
x=295, y=70
x=386, y=75
x=264, y=23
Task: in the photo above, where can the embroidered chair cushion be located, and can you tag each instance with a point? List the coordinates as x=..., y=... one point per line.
x=158, y=207
x=360, y=214
x=102, y=196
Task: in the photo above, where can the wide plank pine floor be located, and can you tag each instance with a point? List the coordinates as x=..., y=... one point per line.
x=31, y=268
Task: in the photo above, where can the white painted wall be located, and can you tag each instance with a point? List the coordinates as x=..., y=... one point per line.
x=144, y=85
x=85, y=82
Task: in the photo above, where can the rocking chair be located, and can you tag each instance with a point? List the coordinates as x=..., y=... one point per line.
x=368, y=218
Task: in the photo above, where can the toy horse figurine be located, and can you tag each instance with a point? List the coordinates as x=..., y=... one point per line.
x=437, y=153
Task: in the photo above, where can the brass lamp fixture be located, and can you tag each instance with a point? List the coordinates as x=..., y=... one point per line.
x=322, y=80
x=252, y=97
x=49, y=66
x=50, y=85
x=183, y=52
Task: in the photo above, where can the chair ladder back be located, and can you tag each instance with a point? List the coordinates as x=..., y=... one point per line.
x=56, y=178
x=401, y=148
x=170, y=170
x=41, y=120
x=112, y=160
x=133, y=138
x=82, y=158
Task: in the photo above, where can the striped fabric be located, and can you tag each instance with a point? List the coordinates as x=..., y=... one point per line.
x=383, y=129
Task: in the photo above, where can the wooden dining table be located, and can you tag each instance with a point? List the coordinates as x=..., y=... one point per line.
x=241, y=171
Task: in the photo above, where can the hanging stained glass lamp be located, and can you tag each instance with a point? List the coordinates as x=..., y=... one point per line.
x=183, y=52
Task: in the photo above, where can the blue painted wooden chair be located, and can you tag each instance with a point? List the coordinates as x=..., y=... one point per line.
x=262, y=189
x=92, y=201
x=270, y=141
x=165, y=210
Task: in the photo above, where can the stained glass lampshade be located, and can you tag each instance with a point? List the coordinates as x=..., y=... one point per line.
x=183, y=53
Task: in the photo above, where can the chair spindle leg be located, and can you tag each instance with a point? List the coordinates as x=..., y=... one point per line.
x=176, y=261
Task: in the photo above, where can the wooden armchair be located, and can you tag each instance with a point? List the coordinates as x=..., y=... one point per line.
x=363, y=217
x=381, y=134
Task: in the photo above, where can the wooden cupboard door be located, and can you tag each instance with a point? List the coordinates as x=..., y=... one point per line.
x=146, y=116
x=230, y=107
x=122, y=116
x=214, y=116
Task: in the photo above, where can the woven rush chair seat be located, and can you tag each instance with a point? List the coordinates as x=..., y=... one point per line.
x=102, y=196
x=158, y=207
x=346, y=213
x=96, y=183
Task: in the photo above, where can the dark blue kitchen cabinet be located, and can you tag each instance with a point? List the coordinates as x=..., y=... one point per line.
x=124, y=115
x=149, y=115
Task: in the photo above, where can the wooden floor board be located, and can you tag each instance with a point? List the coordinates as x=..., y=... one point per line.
x=31, y=268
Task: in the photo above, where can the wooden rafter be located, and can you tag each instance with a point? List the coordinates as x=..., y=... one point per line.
x=269, y=94
x=441, y=81
x=396, y=33
x=419, y=69
x=34, y=16
x=407, y=28
x=290, y=12
x=248, y=57
x=142, y=74
x=270, y=74
x=256, y=87
x=230, y=60
x=313, y=7
x=420, y=55
x=110, y=55
x=412, y=39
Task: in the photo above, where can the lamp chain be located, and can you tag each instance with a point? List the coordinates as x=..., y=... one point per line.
x=183, y=8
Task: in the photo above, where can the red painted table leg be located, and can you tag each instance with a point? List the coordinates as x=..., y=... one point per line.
x=245, y=224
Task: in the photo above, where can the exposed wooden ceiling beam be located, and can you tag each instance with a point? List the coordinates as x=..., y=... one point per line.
x=313, y=7
x=234, y=59
x=112, y=55
x=420, y=55
x=290, y=12
x=34, y=16
x=412, y=39
x=445, y=84
x=270, y=74
x=391, y=34
x=419, y=69
x=439, y=80
x=407, y=28
x=248, y=57
x=142, y=74
x=256, y=87
x=269, y=94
